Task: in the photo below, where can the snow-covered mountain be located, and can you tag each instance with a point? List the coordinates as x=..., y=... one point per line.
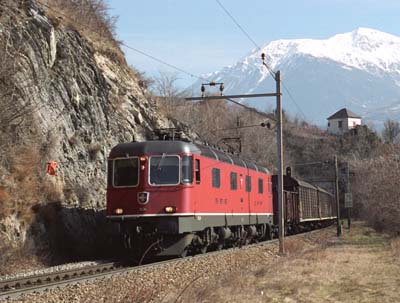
x=359, y=70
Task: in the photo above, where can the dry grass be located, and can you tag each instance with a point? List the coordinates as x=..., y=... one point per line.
x=16, y=260
x=92, y=20
x=362, y=267
x=22, y=188
x=4, y=202
x=395, y=245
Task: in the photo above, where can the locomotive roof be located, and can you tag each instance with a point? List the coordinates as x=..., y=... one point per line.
x=177, y=147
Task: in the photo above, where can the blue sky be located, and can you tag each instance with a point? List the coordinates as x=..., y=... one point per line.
x=199, y=37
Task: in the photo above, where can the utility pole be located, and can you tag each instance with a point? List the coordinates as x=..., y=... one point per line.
x=277, y=94
x=281, y=214
x=339, y=226
x=348, y=193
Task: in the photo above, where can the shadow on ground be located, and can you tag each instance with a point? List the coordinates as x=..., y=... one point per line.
x=74, y=234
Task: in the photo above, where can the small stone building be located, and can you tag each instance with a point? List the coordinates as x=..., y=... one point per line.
x=343, y=121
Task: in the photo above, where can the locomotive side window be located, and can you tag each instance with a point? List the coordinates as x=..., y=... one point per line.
x=216, y=178
x=233, y=181
x=260, y=186
x=197, y=169
x=187, y=170
x=126, y=172
x=164, y=170
x=248, y=184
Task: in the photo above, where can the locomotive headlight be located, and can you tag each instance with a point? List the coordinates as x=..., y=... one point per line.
x=142, y=161
x=170, y=209
x=119, y=211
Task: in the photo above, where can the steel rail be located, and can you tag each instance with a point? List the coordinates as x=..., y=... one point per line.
x=13, y=288
x=21, y=285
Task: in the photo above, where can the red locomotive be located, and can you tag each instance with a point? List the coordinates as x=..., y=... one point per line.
x=186, y=197
x=175, y=197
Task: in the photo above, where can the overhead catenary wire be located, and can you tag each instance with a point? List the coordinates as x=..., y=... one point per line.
x=158, y=60
x=180, y=69
x=248, y=108
x=131, y=47
x=270, y=70
x=162, y=62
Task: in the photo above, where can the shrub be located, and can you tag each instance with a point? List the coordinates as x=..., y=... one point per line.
x=91, y=14
x=93, y=150
x=92, y=19
x=376, y=188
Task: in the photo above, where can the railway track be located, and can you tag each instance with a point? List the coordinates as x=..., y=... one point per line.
x=13, y=288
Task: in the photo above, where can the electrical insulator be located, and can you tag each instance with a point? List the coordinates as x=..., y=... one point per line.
x=203, y=89
x=221, y=88
x=212, y=83
x=265, y=124
x=263, y=56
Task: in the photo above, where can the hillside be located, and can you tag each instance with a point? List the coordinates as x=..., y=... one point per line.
x=67, y=96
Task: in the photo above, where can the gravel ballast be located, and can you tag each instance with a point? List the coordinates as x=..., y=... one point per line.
x=52, y=269
x=168, y=282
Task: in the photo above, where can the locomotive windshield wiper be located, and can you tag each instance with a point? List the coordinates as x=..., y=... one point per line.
x=159, y=163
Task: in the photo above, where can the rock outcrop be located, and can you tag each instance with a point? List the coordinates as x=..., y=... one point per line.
x=76, y=103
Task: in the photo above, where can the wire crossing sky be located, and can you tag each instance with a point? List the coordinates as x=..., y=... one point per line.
x=199, y=37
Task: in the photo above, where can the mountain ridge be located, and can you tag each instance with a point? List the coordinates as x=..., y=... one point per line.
x=358, y=69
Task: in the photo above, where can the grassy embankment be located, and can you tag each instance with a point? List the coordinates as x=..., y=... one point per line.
x=361, y=266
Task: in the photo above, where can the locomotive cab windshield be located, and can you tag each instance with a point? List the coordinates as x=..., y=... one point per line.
x=125, y=172
x=163, y=170
x=170, y=170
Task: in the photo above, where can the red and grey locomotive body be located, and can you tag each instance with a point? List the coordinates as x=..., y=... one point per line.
x=172, y=197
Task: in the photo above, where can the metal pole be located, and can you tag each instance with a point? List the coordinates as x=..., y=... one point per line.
x=348, y=191
x=280, y=163
x=339, y=227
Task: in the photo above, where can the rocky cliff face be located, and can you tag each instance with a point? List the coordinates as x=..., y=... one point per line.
x=75, y=102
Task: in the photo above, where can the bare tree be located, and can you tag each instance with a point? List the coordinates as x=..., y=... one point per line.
x=167, y=93
x=391, y=131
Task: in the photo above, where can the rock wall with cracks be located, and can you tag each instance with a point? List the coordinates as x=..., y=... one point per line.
x=81, y=103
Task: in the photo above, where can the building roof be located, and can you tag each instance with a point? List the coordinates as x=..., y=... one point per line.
x=343, y=113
